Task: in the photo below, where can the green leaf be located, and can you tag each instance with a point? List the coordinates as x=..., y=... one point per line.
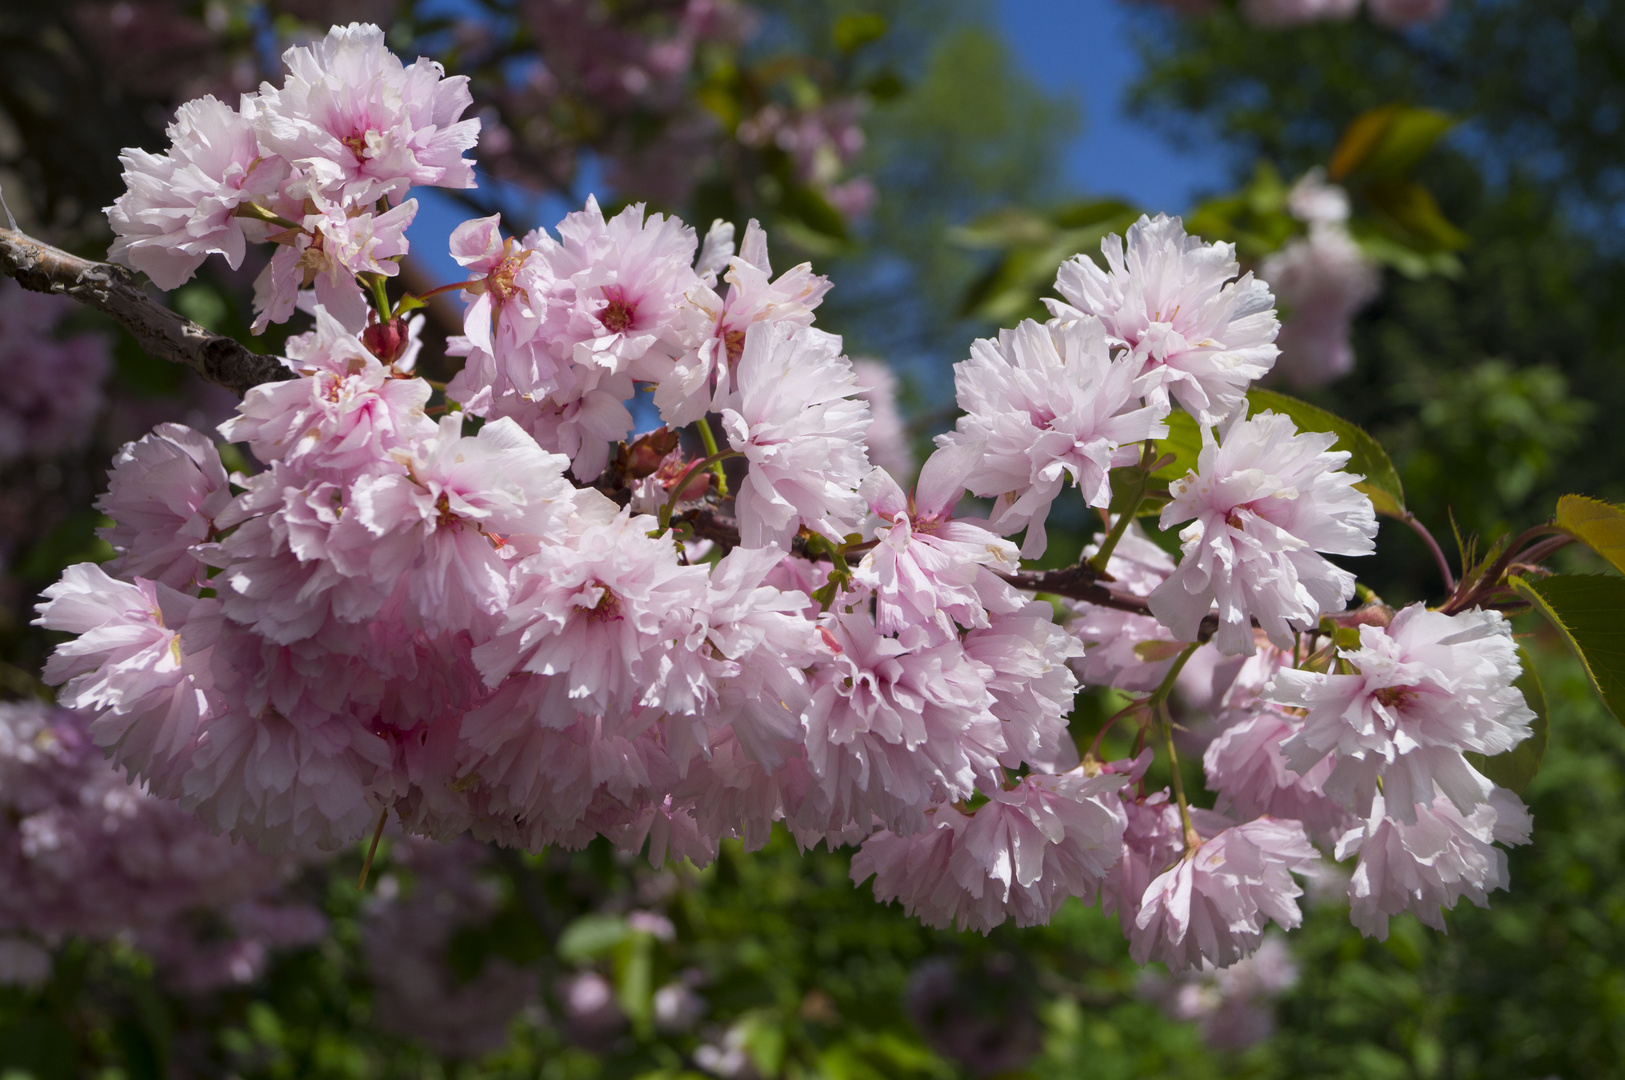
x=852, y=32
x=1386, y=142
x=1588, y=610
x=1599, y=525
x=1514, y=769
x=591, y=936
x=634, y=981
x=1408, y=209
x=813, y=211
x=1184, y=443
x=1366, y=455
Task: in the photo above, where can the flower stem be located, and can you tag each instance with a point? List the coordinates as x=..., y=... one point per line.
x=710, y=442
x=1136, y=496
x=1159, y=701
x=1193, y=840
x=372, y=850
x=1433, y=545
x=254, y=210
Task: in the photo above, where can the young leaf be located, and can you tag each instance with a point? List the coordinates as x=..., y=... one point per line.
x=1366, y=455
x=1184, y=442
x=1386, y=142
x=1588, y=610
x=592, y=936
x=1515, y=768
x=1598, y=525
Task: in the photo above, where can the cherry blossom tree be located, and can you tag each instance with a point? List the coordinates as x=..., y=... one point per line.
x=491, y=606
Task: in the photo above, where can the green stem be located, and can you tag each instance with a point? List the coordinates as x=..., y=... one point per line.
x=254, y=210
x=377, y=833
x=1136, y=496
x=710, y=442
x=380, y=293
x=1193, y=839
x=1159, y=700
x=1166, y=686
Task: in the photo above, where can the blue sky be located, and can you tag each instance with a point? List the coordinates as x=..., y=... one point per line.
x=1081, y=49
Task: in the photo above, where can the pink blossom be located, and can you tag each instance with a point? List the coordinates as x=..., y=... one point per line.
x=795, y=417
x=1323, y=280
x=180, y=206
x=332, y=245
x=1265, y=501
x=757, y=639
x=895, y=726
x=127, y=666
x=599, y=612
x=1429, y=864
x=297, y=558
x=1046, y=404
x=1296, y=12
x=164, y=494
x=926, y=568
x=620, y=287
x=1246, y=767
x=288, y=763
x=1169, y=299
x=580, y=419
x=360, y=125
x=1019, y=855
x=714, y=329
x=503, y=308
x=539, y=767
x=1153, y=840
x=1025, y=656
x=1212, y=903
x=463, y=508
x=1424, y=688
x=346, y=414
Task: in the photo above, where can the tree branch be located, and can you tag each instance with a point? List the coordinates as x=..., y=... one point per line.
x=161, y=332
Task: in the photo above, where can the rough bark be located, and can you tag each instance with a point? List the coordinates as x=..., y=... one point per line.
x=115, y=291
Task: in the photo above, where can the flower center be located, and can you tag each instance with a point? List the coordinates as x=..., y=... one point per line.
x=734, y=342
x=501, y=280
x=445, y=517
x=357, y=144
x=1396, y=697
x=619, y=314
x=608, y=606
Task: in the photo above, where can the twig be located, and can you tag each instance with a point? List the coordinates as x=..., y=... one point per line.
x=114, y=291
x=1433, y=545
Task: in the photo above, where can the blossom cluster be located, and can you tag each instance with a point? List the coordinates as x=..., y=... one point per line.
x=318, y=167
x=92, y=856
x=503, y=611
